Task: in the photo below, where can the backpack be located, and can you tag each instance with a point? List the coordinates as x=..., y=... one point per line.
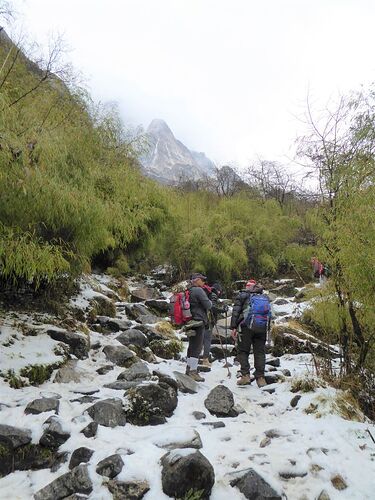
x=257, y=313
x=180, y=308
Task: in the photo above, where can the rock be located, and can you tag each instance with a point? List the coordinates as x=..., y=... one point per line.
x=265, y=442
x=166, y=379
x=214, y=425
x=68, y=373
x=185, y=383
x=338, y=482
x=199, y=415
x=184, y=471
x=143, y=293
x=130, y=490
x=286, y=372
x=133, y=336
x=104, y=369
x=80, y=455
x=13, y=436
x=323, y=496
x=218, y=353
x=122, y=385
x=192, y=441
x=137, y=372
x=75, y=481
x=150, y=404
x=294, y=401
x=90, y=430
x=150, y=332
x=120, y=355
x=273, y=362
x=110, y=466
x=220, y=402
x=274, y=433
x=253, y=486
x=285, y=289
x=239, y=409
x=147, y=319
x=291, y=474
x=41, y=405
x=54, y=435
x=108, y=412
x=281, y=302
x=117, y=325
x=134, y=311
x=160, y=306
x=272, y=378
x=84, y=399
x=103, y=306
x=78, y=343
x=270, y=390
x=26, y=458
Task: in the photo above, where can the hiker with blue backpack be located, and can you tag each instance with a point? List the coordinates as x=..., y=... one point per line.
x=251, y=318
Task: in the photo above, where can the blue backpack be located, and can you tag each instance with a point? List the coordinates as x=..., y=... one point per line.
x=257, y=313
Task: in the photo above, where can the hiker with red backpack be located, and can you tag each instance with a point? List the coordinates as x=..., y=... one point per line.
x=250, y=322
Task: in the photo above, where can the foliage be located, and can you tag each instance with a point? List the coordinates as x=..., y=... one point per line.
x=38, y=374
x=166, y=349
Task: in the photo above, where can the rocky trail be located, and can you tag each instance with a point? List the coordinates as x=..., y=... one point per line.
x=97, y=406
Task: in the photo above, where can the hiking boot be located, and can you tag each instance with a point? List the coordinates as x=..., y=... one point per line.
x=190, y=333
x=205, y=362
x=195, y=376
x=261, y=382
x=244, y=380
x=190, y=325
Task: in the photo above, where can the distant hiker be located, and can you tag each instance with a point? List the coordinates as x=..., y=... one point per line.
x=200, y=304
x=250, y=321
x=317, y=267
x=213, y=293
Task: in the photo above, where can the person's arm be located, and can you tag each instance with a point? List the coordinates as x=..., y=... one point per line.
x=237, y=310
x=203, y=299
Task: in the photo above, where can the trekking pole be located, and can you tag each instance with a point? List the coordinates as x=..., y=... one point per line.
x=224, y=351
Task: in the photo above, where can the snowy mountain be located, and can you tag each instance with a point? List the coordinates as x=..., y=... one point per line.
x=168, y=159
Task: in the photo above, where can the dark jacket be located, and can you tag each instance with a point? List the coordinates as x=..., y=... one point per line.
x=240, y=303
x=200, y=304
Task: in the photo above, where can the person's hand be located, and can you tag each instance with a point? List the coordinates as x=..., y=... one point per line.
x=234, y=334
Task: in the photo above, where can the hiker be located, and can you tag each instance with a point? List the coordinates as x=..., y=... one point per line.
x=200, y=304
x=213, y=293
x=251, y=330
x=317, y=268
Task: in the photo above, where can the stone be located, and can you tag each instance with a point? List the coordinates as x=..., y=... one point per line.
x=135, y=311
x=199, y=415
x=184, y=471
x=294, y=401
x=80, y=455
x=147, y=319
x=108, y=412
x=137, y=372
x=192, y=441
x=143, y=293
x=272, y=378
x=25, y=457
x=84, y=399
x=117, y=325
x=281, y=302
x=166, y=379
x=42, y=405
x=110, y=466
x=68, y=373
x=54, y=435
x=122, y=385
x=160, y=306
x=185, y=383
x=13, y=436
x=75, y=481
x=286, y=372
x=150, y=404
x=338, y=482
x=132, y=336
x=291, y=474
x=90, y=430
x=220, y=402
x=120, y=355
x=104, y=369
x=273, y=362
x=128, y=490
x=323, y=495
x=253, y=486
x=78, y=343
x=214, y=425
x=285, y=289
x=265, y=442
x=218, y=353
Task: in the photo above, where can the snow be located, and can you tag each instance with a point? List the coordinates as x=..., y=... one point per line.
x=320, y=447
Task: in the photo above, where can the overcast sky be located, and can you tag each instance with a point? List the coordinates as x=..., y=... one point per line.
x=230, y=77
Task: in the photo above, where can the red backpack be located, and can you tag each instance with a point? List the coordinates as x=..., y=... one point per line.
x=180, y=308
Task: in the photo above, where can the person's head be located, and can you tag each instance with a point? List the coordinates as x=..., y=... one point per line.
x=198, y=279
x=251, y=283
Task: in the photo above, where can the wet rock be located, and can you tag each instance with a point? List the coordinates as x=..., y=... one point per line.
x=128, y=490
x=253, y=486
x=68, y=373
x=220, y=402
x=133, y=336
x=108, y=412
x=185, y=383
x=110, y=466
x=270, y=390
x=120, y=355
x=54, y=435
x=80, y=455
x=75, y=481
x=137, y=372
x=150, y=332
x=41, y=405
x=183, y=472
x=90, y=430
x=294, y=401
x=199, y=415
x=78, y=343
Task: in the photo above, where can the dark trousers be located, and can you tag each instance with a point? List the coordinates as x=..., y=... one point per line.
x=196, y=343
x=207, y=336
x=248, y=338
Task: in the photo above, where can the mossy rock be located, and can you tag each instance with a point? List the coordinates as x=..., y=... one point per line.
x=28, y=457
x=102, y=306
x=166, y=349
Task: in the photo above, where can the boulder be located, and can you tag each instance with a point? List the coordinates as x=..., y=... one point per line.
x=26, y=457
x=80, y=455
x=134, y=311
x=143, y=293
x=68, y=373
x=253, y=486
x=166, y=379
x=110, y=466
x=185, y=383
x=116, y=325
x=120, y=355
x=220, y=402
x=108, y=412
x=132, y=336
x=129, y=490
x=90, y=430
x=78, y=343
x=13, y=436
x=150, y=404
x=160, y=306
x=139, y=371
x=218, y=353
x=186, y=471
x=41, y=405
x=54, y=435
x=75, y=481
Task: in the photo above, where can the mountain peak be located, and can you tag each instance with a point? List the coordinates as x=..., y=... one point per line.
x=158, y=126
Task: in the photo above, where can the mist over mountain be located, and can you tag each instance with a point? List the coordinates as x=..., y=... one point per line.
x=168, y=159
